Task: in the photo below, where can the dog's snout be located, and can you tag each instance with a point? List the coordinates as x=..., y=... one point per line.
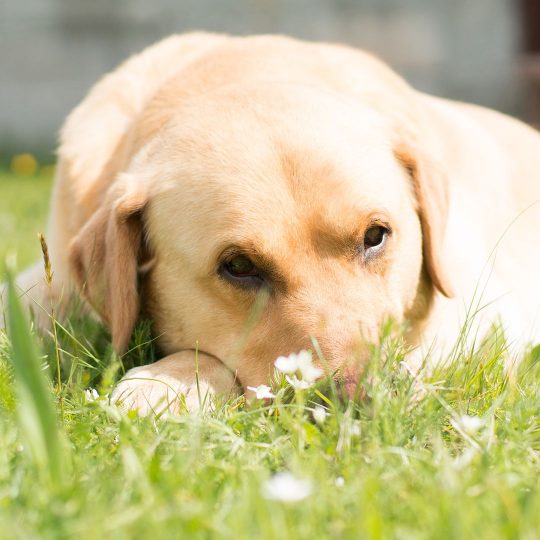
x=332, y=326
x=343, y=355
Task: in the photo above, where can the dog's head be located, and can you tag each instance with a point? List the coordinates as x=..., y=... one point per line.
x=259, y=219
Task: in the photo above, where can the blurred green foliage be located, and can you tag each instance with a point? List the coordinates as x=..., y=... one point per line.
x=24, y=200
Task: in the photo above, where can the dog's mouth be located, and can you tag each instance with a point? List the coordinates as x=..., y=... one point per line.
x=348, y=380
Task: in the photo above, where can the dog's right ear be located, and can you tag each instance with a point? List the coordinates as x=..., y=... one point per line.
x=105, y=258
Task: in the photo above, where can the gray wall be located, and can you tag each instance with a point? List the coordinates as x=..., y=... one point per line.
x=51, y=51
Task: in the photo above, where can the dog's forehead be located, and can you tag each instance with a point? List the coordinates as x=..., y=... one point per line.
x=248, y=135
x=258, y=167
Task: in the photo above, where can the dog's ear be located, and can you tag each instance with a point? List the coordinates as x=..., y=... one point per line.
x=430, y=186
x=105, y=258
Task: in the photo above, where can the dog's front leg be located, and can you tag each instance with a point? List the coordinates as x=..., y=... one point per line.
x=181, y=382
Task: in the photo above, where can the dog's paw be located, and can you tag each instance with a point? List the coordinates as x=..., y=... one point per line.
x=142, y=391
x=171, y=386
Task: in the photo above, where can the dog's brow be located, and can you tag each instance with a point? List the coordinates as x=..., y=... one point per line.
x=338, y=237
x=332, y=236
x=330, y=240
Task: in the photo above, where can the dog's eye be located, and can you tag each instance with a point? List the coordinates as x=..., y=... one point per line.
x=241, y=266
x=375, y=238
x=241, y=270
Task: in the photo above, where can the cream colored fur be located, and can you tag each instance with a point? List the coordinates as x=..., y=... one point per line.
x=287, y=151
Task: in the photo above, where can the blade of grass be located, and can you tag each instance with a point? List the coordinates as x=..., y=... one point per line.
x=35, y=408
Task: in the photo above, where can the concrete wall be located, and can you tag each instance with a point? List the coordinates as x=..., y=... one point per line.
x=51, y=51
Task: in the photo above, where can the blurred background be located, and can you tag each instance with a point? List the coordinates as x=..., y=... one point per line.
x=52, y=51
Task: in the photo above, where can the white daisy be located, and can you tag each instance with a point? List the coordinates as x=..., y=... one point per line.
x=298, y=384
x=287, y=364
x=262, y=391
x=91, y=394
x=309, y=372
x=467, y=424
x=287, y=488
x=319, y=414
x=298, y=369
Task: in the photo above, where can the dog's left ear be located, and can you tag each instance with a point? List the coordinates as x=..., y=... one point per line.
x=105, y=259
x=430, y=186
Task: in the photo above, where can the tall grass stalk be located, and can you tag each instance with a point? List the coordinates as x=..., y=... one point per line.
x=35, y=409
x=48, y=280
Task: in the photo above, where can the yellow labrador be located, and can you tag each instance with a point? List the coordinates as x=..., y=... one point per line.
x=253, y=194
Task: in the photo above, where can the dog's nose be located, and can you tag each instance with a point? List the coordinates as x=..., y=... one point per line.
x=346, y=359
x=349, y=383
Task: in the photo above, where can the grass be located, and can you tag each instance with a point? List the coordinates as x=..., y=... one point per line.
x=461, y=462
x=23, y=213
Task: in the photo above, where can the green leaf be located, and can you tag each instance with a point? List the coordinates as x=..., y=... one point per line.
x=35, y=407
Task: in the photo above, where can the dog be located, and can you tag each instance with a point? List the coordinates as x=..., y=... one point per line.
x=256, y=196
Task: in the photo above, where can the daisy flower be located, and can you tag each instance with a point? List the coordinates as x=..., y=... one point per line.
x=299, y=370
x=262, y=391
x=286, y=488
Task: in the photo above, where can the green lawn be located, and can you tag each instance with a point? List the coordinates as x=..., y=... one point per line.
x=23, y=213
x=461, y=462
